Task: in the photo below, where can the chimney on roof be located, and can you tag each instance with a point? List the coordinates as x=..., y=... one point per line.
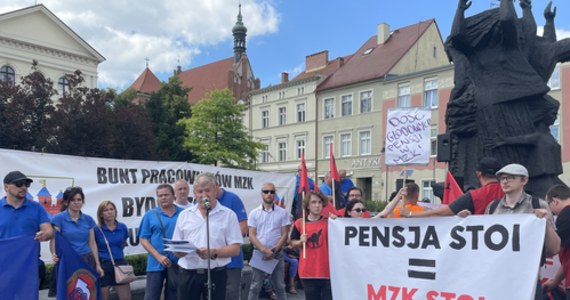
x=383, y=33
x=316, y=61
x=284, y=77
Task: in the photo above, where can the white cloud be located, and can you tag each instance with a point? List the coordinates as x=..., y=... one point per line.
x=125, y=32
x=296, y=70
x=560, y=33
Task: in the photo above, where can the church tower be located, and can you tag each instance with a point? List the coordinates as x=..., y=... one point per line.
x=239, y=32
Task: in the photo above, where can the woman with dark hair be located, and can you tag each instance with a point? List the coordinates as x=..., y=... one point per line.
x=111, y=236
x=314, y=259
x=354, y=209
x=77, y=228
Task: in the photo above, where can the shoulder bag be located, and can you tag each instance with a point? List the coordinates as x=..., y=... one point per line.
x=123, y=274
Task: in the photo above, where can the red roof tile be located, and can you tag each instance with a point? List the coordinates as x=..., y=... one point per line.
x=380, y=61
x=146, y=83
x=206, y=78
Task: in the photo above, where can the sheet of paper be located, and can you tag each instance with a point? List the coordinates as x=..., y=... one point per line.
x=265, y=265
x=179, y=246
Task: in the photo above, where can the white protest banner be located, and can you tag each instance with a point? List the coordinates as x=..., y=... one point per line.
x=408, y=136
x=485, y=257
x=130, y=184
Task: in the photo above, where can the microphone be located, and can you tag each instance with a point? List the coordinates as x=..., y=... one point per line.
x=206, y=203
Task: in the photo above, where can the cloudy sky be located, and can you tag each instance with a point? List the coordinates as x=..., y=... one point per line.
x=280, y=32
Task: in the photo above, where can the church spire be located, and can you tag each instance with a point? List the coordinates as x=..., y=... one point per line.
x=239, y=32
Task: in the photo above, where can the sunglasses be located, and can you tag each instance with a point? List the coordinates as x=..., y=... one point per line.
x=268, y=192
x=360, y=210
x=22, y=183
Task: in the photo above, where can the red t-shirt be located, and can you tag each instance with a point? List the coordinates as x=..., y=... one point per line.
x=315, y=264
x=483, y=196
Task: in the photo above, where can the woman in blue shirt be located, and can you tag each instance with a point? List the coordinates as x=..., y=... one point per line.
x=116, y=234
x=77, y=228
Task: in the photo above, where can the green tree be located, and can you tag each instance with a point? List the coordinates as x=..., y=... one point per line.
x=166, y=107
x=26, y=112
x=215, y=132
x=93, y=122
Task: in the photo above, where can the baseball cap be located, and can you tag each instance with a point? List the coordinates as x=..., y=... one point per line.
x=513, y=169
x=16, y=176
x=489, y=165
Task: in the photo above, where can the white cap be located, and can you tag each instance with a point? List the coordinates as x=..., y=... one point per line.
x=513, y=169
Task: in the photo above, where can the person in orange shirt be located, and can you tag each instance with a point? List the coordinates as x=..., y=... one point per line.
x=410, y=194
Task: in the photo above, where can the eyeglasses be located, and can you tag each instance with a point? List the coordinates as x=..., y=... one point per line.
x=508, y=178
x=360, y=210
x=22, y=183
x=268, y=192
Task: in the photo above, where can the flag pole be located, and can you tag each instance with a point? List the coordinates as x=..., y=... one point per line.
x=303, y=225
x=333, y=194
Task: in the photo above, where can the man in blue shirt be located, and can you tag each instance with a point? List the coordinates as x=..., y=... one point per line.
x=156, y=225
x=19, y=216
x=326, y=186
x=22, y=217
x=233, y=202
x=345, y=184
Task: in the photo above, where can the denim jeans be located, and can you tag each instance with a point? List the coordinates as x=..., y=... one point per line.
x=155, y=282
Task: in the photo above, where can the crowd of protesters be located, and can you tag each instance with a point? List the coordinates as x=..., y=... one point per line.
x=215, y=223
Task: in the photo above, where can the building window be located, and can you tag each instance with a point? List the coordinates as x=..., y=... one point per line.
x=300, y=148
x=264, y=99
x=7, y=74
x=404, y=99
x=327, y=141
x=264, y=119
x=62, y=85
x=329, y=108
x=554, y=81
x=365, y=144
x=282, y=151
x=300, y=91
x=346, y=105
x=433, y=140
x=300, y=112
x=282, y=95
x=430, y=93
x=345, y=144
x=427, y=190
x=555, y=129
x=282, y=115
x=366, y=102
x=265, y=153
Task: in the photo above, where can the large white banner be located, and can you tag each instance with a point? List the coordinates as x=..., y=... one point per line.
x=408, y=133
x=475, y=258
x=130, y=184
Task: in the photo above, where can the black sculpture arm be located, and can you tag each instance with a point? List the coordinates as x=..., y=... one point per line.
x=508, y=17
x=549, y=27
x=458, y=26
x=529, y=28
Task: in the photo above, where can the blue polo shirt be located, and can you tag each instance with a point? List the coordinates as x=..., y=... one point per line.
x=326, y=189
x=150, y=230
x=233, y=202
x=75, y=233
x=116, y=239
x=24, y=220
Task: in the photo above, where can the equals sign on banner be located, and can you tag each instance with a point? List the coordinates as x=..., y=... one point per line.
x=422, y=264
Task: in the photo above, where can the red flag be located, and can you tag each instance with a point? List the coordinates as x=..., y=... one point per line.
x=451, y=190
x=333, y=169
x=304, y=180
